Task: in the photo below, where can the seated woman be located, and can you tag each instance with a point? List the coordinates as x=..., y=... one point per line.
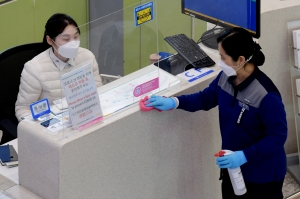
x=41, y=76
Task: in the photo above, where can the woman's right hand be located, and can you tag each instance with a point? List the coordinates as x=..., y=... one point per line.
x=161, y=103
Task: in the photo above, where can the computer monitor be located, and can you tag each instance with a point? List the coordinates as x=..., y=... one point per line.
x=224, y=13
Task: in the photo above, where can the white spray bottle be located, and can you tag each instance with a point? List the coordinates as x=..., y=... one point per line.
x=235, y=175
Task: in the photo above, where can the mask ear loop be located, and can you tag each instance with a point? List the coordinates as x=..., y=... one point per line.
x=245, y=62
x=59, y=63
x=249, y=59
x=54, y=47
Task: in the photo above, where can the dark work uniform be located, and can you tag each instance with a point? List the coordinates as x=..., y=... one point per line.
x=252, y=119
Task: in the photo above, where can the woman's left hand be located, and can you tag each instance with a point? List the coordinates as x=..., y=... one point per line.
x=232, y=161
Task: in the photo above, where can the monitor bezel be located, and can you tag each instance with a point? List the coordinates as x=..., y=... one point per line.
x=226, y=24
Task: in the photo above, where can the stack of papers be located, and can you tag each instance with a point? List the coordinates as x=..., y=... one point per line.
x=61, y=103
x=60, y=106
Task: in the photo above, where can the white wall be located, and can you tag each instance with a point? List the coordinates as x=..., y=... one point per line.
x=273, y=40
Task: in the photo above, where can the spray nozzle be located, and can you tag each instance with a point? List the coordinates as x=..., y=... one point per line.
x=220, y=153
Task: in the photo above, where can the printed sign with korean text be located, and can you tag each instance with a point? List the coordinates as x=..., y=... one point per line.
x=82, y=97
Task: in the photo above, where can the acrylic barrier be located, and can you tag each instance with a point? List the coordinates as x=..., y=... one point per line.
x=111, y=48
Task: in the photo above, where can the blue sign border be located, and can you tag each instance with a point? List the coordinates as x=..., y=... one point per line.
x=47, y=111
x=203, y=74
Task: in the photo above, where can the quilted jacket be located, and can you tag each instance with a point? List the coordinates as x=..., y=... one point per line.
x=41, y=79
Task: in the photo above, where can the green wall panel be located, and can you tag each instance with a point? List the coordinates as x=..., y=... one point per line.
x=76, y=9
x=16, y=22
x=23, y=21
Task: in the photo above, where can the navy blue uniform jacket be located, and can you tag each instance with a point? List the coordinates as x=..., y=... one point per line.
x=252, y=119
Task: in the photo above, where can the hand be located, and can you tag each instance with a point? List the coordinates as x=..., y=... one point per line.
x=161, y=103
x=232, y=161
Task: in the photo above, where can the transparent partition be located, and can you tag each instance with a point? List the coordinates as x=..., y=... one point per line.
x=127, y=57
x=123, y=52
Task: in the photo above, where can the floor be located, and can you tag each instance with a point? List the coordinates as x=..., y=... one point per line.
x=11, y=190
x=290, y=187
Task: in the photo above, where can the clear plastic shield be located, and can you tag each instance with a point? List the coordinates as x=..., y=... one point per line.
x=124, y=58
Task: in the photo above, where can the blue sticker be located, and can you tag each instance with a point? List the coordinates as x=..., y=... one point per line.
x=143, y=13
x=201, y=75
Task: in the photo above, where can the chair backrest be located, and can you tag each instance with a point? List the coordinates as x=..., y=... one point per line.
x=11, y=65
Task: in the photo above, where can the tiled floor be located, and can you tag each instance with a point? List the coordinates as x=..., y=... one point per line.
x=290, y=187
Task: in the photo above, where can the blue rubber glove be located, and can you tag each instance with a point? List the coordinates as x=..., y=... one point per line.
x=232, y=161
x=161, y=103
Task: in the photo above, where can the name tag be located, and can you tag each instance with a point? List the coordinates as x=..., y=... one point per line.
x=40, y=108
x=245, y=106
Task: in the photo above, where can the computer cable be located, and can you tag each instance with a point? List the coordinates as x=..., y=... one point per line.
x=199, y=40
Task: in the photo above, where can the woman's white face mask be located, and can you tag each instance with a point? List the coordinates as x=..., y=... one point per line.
x=228, y=70
x=69, y=50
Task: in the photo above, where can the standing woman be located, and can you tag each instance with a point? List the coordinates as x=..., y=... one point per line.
x=41, y=76
x=251, y=115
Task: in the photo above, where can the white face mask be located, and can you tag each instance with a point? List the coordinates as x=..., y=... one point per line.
x=69, y=50
x=228, y=70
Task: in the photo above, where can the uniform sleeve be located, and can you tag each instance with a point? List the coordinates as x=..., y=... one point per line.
x=30, y=90
x=203, y=100
x=273, y=116
x=96, y=73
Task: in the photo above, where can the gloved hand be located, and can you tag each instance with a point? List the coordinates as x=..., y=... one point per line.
x=232, y=161
x=161, y=103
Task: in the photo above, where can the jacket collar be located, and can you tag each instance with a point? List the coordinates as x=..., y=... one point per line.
x=246, y=82
x=60, y=64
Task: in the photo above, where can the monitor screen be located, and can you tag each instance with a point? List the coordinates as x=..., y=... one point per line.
x=226, y=13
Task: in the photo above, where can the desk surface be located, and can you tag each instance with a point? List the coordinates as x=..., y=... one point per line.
x=9, y=181
x=11, y=173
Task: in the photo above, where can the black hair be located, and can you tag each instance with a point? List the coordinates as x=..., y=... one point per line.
x=56, y=25
x=238, y=42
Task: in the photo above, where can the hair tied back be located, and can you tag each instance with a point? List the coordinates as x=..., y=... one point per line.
x=256, y=47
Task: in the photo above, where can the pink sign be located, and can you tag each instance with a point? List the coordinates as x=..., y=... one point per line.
x=146, y=87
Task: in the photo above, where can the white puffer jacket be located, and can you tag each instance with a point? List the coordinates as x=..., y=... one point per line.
x=41, y=79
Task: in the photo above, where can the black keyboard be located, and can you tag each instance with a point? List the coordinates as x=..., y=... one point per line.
x=190, y=50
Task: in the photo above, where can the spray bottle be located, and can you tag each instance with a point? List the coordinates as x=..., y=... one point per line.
x=235, y=175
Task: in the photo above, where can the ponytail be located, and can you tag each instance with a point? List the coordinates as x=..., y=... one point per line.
x=258, y=58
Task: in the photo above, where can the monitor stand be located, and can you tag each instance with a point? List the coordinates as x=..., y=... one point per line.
x=209, y=38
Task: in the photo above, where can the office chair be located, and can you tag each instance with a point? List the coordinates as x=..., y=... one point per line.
x=11, y=65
